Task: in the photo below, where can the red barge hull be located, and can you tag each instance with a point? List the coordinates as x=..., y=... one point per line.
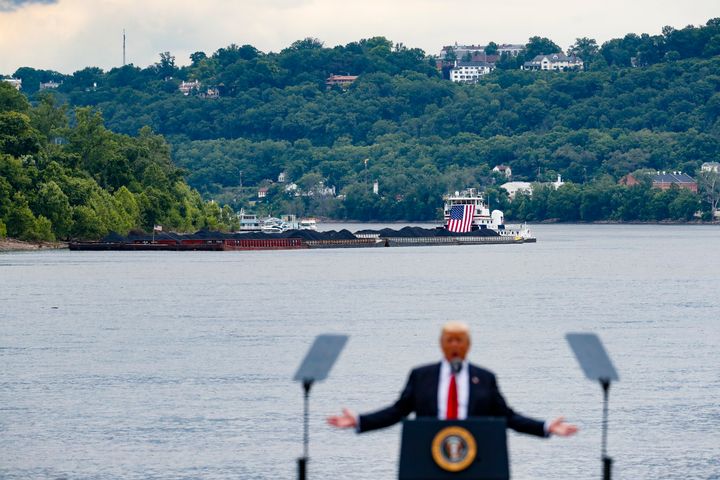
x=218, y=245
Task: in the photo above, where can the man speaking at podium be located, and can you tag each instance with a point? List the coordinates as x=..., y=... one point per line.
x=451, y=390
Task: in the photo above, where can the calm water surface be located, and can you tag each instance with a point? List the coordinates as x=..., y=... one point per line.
x=178, y=365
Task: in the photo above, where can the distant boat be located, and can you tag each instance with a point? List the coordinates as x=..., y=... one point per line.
x=274, y=225
x=252, y=223
x=249, y=222
x=308, y=224
x=482, y=217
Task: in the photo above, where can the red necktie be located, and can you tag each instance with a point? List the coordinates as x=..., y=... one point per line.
x=452, y=405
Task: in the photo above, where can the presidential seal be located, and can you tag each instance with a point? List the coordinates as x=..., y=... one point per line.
x=454, y=449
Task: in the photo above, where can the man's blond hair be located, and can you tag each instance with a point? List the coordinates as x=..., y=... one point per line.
x=456, y=327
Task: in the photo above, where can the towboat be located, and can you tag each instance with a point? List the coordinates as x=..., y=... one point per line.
x=468, y=211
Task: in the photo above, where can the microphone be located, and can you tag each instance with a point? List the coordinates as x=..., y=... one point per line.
x=456, y=365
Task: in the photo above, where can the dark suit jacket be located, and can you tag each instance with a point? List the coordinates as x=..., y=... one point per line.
x=420, y=396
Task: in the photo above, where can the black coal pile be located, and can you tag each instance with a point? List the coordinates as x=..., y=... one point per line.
x=212, y=235
x=114, y=237
x=320, y=236
x=418, y=232
x=307, y=235
x=304, y=234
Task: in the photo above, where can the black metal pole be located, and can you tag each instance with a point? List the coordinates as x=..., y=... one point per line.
x=607, y=461
x=302, y=468
x=306, y=417
x=302, y=462
x=607, y=467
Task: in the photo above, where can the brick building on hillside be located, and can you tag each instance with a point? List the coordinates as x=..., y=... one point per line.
x=342, y=81
x=664, y=180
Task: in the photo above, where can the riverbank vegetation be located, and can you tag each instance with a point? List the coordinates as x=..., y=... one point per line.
x=59, y=181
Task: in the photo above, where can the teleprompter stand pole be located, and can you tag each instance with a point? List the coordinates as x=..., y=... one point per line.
x=607, y=461
x=315, y=367
x=302, y=461
x=597, y=366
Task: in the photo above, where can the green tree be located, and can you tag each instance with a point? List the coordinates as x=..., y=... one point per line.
x=99, y=150
x=6, y=194
x=20, y=219
x=197, y=57
x=11, y=100
x=564, y=203
x=540, y=46
x=684, y=206
x=42, y=230
x=17, y=137
x=213, y=217
x=709, y=186
x=86, y=224
x=48, y=117
x=15, y=175
x=450, y=55
x=585, y=48
x=308, y=43
x=230, y=221
x=128, y=210
x=53, y=205
x=166, y=68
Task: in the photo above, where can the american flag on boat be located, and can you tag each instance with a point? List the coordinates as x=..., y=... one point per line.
x=461, y=217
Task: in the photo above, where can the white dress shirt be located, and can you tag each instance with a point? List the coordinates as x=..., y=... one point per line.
x=462, y=381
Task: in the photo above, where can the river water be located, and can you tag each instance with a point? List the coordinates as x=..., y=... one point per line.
x=176, y=365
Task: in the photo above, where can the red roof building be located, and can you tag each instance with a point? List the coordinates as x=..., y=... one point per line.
x=664, y=181
x=340, y=80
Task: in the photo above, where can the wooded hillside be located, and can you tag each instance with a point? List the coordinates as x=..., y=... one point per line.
x=643, y=102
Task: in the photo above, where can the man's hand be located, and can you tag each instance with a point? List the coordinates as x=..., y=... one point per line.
x=346, y=420
x=561, y=428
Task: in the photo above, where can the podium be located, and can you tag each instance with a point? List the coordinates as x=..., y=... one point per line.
x=434, y=449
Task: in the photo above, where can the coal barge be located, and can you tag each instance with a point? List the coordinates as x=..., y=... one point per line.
x=296, y=239
x=468, y=221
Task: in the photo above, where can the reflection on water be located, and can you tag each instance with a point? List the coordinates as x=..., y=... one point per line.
x=178, y=365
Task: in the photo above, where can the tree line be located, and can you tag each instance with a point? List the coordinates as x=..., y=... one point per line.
x=82, y=181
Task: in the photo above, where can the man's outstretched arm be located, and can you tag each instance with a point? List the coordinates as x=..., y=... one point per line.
x=381, y=418
x=523, y=424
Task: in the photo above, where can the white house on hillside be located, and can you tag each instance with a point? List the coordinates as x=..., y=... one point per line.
x=504, y=169
x=15, y=82
x=554, y=61
x=461, y=51
x=51, y=85
x=514, y=187
x=710, y=167
x=510, y=48
x=469, y=72
x=187, y=87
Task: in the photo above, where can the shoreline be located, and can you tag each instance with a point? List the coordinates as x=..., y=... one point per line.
x=13, y=245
